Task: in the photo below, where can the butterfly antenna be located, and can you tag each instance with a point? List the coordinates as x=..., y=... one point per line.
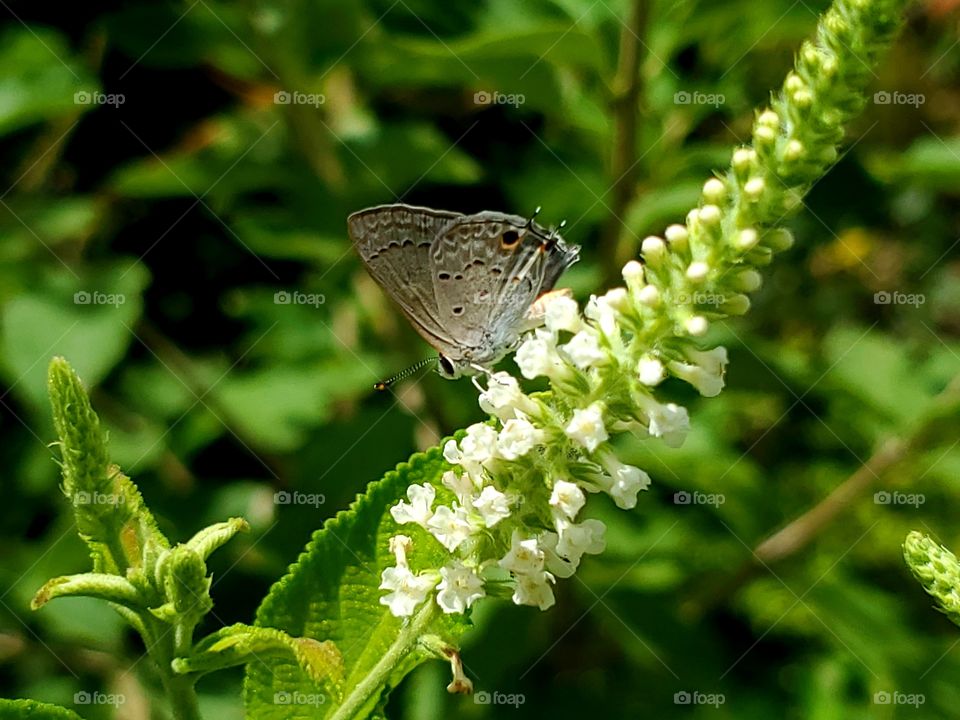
x=384, y=384
x=557, y=229
x=530, y=221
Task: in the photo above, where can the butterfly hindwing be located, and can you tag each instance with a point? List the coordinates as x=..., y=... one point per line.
x=395, y=242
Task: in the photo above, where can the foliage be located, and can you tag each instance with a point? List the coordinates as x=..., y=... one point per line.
x=200, y=198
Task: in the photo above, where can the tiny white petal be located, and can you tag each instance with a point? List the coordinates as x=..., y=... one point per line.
x=650, y=370
x=586, y=427
x=584, y=350
x=670, y=422
x=534, y=589
x=492, y=505
x=418, y=510
x=407, y=590
x=524, y=557
x=567, y=497
x=562, y=313
x=460, y=484
x=450, y=526
x=517, y=438
x=459, y=588
x=625, y=481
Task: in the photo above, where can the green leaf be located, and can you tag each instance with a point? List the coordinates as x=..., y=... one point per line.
x=39, y=80
x=33, y=710
x=88, y=319
x=332, y=593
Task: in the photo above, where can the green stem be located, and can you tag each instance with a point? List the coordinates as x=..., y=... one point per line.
x=376, y=679
x=162, y=646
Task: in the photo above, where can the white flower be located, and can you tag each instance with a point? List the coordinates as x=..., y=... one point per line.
x=586, y=427
x=451, y=452
x=503, y=397
x=705, y=372
x=567, y=498
x=459, y=587
x=650, y=370
x=584, y=350
x=624, y=482
x=418, y=510
x=556, y=565
x=562, y=313
x=537, y=355
x=479, y=445
x=492, y=505
x=601, y=310
x=450, y=526
x=534, y=589
x=407, y=590
x=525, y=556
x=518, y=437
x=575, y=540
x=461, y=485
x=669, y=422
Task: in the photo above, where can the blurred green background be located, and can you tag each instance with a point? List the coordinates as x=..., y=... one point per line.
x=168, y=168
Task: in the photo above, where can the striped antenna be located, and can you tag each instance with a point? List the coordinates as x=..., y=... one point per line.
x=384, y=384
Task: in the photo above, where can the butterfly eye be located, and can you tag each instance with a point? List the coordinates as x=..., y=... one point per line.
x=509, y=239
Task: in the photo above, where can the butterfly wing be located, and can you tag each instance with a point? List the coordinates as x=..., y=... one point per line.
x=395, y=242
x=487, y=270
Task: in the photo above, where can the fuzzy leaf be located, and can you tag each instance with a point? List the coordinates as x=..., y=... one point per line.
x=33, y=710
x=332, y=593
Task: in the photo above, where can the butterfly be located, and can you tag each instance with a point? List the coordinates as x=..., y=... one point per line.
x=465, y=282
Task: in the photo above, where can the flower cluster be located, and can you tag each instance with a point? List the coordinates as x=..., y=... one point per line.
x=519, y=483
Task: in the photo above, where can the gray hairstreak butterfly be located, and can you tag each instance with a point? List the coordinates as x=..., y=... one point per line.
x=465, y=282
